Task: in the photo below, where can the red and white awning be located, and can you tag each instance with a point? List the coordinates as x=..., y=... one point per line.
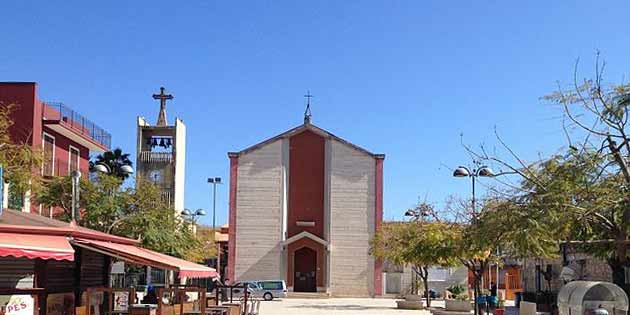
x=34, y=246
x=143, y=256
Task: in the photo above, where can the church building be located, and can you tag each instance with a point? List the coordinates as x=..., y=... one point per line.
x=304, y=206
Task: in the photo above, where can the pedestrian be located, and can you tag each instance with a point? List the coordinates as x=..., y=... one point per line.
x=493, y=289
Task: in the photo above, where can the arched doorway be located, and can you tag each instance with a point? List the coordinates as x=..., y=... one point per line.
x=305, y=270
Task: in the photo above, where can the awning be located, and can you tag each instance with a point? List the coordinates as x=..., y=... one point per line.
x=143, y=256
x=35, y=246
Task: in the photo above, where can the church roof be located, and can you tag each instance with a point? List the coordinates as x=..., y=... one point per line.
x=301, y=128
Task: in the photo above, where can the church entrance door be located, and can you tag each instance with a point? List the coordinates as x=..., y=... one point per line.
x=305, y=262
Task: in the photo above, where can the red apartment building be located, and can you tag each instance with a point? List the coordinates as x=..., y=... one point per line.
x=64, y=136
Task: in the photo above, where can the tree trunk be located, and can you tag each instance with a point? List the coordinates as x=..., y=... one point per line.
x=620, y=259
x=424, y=274
x=619, y=274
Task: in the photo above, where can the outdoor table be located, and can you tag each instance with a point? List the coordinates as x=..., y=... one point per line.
x=211, y=310
x=210, y=301
x=142, y=309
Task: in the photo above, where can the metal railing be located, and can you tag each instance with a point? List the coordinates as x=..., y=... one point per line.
x=156, y=157
x=60, y=112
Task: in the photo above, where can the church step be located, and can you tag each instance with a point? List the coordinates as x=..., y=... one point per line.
x=308, y=295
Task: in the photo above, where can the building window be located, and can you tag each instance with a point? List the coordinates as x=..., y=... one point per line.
x=73, y=165
x=48, y=168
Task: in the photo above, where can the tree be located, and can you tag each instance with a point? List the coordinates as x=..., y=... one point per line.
x=19, y=160
x=135, y=213
x=419, y=244
x=581, y=194
x=115, y=160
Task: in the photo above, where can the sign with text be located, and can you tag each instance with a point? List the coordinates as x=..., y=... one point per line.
x=17, y=305
x=121, y=301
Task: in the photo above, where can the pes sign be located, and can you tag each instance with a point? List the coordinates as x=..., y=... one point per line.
x=17, y=305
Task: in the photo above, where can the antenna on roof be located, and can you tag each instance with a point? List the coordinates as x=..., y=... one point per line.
x=307, y=112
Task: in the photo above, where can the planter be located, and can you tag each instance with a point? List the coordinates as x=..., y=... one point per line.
x=414, y=297
x=458, y=306
x=410, y=305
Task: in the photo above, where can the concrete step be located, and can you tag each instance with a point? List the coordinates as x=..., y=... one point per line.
x=308, y=295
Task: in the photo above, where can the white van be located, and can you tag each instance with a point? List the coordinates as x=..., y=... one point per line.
x=271, y=289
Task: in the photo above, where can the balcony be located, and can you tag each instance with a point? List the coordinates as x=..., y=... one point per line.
x=76, y=127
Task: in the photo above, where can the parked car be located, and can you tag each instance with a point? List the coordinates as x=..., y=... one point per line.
x=271, y=289
x=252, y=290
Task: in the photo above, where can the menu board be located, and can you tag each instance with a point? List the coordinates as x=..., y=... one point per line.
x=17, y=305
x=60, y=304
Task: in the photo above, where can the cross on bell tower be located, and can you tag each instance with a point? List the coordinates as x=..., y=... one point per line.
x=163, y=97
x=307, y=112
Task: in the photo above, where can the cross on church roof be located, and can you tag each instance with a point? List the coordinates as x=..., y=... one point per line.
x=163, y=97
x=307, y=112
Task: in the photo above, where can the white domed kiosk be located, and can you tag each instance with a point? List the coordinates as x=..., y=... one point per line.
x=582, y=297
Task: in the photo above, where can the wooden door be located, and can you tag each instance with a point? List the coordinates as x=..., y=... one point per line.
x=305, y=264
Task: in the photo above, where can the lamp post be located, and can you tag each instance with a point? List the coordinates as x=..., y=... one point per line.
x=76, y=175
x=76, y=180
x=193, y=215
x=478, y=171
x=214, y=181
x=417, y=213
x=104, y=168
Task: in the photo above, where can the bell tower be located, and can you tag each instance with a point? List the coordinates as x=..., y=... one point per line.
x=161, y=154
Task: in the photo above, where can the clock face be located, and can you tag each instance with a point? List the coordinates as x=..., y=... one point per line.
x=155, y=176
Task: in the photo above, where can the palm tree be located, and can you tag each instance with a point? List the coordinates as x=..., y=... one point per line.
x=114, y=160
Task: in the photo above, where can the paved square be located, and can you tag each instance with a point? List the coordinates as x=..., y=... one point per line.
x=333, y=306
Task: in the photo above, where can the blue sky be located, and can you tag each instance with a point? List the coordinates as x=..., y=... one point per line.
x=404, y=78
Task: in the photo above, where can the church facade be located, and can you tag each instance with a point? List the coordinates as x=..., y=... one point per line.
x=303, y=208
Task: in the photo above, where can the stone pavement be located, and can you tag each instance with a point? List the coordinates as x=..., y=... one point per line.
x=334, y=306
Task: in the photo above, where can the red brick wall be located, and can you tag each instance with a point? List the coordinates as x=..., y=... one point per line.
x=306, y=183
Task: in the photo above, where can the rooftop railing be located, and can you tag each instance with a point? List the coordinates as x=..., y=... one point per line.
x=59, y=111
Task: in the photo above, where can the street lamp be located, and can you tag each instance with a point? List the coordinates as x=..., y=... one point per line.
x=479, y=171
x=76, y=188
x=193, y=215
x=418, y=213
x=214, y=181
x=104, y=168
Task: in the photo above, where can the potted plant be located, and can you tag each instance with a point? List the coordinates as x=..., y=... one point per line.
x=459, y=299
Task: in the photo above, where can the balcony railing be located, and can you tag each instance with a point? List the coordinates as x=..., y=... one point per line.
x=60, y=112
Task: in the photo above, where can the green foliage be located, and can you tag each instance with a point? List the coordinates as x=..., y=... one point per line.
x=572, y=199
x=135, y=213
x=115, y=160
x=417, y=243
x=459, y=292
